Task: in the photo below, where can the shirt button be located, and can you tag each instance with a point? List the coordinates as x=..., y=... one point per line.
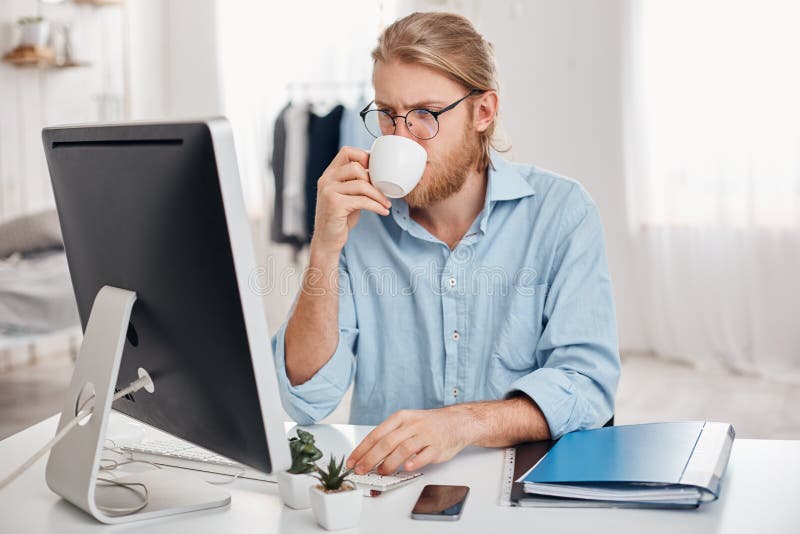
x=452, y=282
x=455, y=335
x=455, y=392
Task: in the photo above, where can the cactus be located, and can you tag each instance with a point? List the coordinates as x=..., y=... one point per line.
x=333, y=478
x=304, y=453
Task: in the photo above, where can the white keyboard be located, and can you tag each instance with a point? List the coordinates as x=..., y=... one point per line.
x=178, y=453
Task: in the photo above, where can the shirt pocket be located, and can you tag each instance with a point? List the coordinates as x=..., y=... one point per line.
x=518, y=332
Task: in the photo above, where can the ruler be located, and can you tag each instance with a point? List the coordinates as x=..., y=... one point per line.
x=508, y=476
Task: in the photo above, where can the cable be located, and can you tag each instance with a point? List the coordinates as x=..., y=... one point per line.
x=111, y=464
x=112, y=511
x=129, y=459
x=50, y=444
x=231, y=480
x=83, y=412
x=142, y=382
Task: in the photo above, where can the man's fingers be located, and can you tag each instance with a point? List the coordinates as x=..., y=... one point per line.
x=357, y=187
x=370, y=439
x=347, y=172
x=382, y=449
x=404, y=451
x=377, y=434
x=363, y=203
x=423, y=458
x=348, y=154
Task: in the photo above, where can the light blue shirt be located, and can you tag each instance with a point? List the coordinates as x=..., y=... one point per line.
x=522, y=304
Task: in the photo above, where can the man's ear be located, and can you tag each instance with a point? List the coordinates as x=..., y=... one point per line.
x=485, y=110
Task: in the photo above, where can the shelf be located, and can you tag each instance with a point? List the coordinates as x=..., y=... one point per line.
x=49, y=65
x=99, y=3
x=38, y=56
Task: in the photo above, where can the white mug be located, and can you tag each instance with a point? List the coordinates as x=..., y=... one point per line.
x=396, y=164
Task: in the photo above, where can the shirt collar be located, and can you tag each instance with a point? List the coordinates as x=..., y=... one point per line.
x=505, y=181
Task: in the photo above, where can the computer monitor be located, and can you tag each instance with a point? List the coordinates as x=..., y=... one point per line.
x=157, y=209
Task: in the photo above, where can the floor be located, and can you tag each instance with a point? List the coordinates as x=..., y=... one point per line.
x=650, y=390
x=30, y=394
x=654, y=390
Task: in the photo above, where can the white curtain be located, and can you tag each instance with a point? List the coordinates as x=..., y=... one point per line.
x=712, y=101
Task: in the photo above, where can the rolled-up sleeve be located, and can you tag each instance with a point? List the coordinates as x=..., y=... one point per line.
x=577, y=354
x=316, y=398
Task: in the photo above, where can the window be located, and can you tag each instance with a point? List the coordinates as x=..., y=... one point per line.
x=713, y=113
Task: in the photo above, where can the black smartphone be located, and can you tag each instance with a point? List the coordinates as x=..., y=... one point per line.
x=440, y=503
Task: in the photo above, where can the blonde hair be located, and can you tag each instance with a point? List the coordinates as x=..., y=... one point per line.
x=449, y=44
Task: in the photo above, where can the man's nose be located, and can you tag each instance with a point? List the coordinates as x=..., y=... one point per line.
x=401, y=129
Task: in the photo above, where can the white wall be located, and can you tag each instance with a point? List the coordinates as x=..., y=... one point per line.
x=32, y=98
x=174, y=69
x=559, y=65
x=148, y=59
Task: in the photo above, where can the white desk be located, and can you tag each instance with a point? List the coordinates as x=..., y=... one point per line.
x=760, y=494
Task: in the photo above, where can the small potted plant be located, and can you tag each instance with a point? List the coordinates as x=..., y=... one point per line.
x=35, y=31
x=335, y=501
x=294, y=484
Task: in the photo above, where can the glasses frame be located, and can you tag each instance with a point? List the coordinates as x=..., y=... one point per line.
x=436, y=114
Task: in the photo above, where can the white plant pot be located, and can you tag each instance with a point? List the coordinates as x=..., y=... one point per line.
x=35, y=33
x=336, y=510
x=294, y=489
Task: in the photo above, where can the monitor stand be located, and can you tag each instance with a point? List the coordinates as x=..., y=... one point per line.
x=74, y=462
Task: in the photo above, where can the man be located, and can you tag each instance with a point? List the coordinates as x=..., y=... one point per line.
x=478, y=309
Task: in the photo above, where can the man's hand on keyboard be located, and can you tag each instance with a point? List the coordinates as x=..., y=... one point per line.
x=413, y=439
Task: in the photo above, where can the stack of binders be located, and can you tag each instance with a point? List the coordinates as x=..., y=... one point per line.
x=656, y=465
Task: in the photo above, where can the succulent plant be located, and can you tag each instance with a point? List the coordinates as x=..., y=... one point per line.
x=304, y=453
x=333, y=478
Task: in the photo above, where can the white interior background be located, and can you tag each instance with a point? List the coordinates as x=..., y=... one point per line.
x=690, y=274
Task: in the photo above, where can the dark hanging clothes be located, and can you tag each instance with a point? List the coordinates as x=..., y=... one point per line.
x=278, y=164
x=323, y=145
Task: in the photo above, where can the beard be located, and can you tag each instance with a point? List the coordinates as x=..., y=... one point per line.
x=447, y=176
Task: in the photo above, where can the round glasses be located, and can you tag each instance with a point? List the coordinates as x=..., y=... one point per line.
x=422, y=123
